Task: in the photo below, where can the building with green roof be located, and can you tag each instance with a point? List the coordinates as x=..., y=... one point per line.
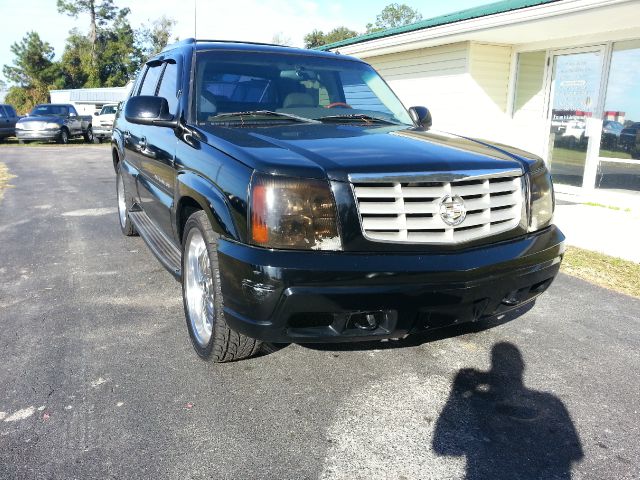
x=559, y=78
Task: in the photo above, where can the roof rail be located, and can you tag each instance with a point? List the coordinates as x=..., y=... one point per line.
x=191, y=41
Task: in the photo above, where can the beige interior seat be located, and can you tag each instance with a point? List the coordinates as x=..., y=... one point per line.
x=297, y=99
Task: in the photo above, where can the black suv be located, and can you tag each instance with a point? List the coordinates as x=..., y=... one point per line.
x=297, y=200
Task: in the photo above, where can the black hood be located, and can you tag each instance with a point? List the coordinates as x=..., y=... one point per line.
x=321, y=150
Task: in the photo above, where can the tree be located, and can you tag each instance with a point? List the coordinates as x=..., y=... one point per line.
x=76, y=60
x=394, y=15
x=153, y=37
x=25, y=98
x=280, y=38
x=100, y=13
x=33, y=63
x=33, y=72
x=314, y=39
x=318, y=38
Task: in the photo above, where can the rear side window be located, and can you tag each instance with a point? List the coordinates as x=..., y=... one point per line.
x=2, y=114
x=150, y=80
x=169, y=86
x=10, y=111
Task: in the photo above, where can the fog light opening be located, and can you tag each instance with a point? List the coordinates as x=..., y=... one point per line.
x=368, y=321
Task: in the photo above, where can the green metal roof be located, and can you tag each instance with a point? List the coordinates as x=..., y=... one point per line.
x=468, y=14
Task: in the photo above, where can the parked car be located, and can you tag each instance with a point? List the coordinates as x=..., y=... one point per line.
x=103, y=123
x=8, y=119
x=630, y=139
x=611, y=131
x=297, y=200
x=59, y=122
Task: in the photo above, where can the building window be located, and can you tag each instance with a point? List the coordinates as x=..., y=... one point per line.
x=529, y=82
x=621, y=121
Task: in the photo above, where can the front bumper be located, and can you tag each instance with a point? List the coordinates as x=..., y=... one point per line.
x=293, y=296
x=44, y=135
x=102, y=132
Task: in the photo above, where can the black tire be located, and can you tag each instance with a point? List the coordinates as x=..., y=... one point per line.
x=125, y=223
x=88, y=135
x=63, y=136
x=225, y=345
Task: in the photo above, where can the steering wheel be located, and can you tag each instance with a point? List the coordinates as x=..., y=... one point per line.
x=338, y=104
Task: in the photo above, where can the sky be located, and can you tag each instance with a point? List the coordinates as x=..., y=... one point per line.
x=252, y=20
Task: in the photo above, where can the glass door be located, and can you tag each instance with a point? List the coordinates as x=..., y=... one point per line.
x=573, y=112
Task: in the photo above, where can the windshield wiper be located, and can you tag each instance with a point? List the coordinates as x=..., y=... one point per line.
x=259, y=113
x=357, y=117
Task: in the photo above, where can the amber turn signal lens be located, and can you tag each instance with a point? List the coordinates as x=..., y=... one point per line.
x=259, y=231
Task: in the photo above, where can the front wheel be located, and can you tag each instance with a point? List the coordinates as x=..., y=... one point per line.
x=123, y=210
x=210, y=335
x=63, y=138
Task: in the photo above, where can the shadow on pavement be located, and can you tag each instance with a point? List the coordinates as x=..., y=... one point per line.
x=505, y=430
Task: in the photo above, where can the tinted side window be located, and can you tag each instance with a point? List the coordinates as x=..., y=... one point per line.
x=169, y=86
x=10, y=111
x=2, y=114
x=150, y=80
x=71, y=110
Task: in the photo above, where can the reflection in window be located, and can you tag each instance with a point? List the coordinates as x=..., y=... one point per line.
x=619, y=175
x=529, y=82
x=621, y=122
x=622, y=106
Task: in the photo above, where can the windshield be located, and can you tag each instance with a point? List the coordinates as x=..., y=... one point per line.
x=108, y=110
x=47, y=110
x=306, y=86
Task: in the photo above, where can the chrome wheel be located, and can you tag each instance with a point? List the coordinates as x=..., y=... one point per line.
x=198, y=283
x=122, y=203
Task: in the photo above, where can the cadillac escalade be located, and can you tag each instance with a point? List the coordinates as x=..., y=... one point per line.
x=297, y=200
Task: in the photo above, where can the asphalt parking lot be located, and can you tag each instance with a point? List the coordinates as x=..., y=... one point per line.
x=98, y=378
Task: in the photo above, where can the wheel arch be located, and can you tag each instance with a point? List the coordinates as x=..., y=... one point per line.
x=193, y=192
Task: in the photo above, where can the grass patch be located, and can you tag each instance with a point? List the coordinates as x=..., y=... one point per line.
x=609, y=272
x=5, y=176
x=610, y=207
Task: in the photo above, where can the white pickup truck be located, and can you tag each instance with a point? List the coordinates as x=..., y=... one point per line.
x=103, y=124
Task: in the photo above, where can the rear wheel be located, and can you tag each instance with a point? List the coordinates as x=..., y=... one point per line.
x=88, y=135
x=210, y=335
x=123, y=209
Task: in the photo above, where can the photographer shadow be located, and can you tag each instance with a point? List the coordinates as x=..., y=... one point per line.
x=505, y=430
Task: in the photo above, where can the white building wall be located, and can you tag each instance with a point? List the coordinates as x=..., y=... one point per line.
x=465, y=86
x=433, y=77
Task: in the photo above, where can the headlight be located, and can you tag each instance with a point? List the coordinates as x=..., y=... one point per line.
x=542, y=201
x=293, y=213
x=19, y=126
x=51, y=126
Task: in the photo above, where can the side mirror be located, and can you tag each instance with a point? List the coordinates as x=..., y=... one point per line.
x=95, y=114
x=149, y=110
x=421, y=116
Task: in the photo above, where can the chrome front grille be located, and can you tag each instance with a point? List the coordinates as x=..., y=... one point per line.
x=34, y=125
x=406, y=208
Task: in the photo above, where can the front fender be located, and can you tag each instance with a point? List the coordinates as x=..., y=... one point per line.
x=191, y=186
